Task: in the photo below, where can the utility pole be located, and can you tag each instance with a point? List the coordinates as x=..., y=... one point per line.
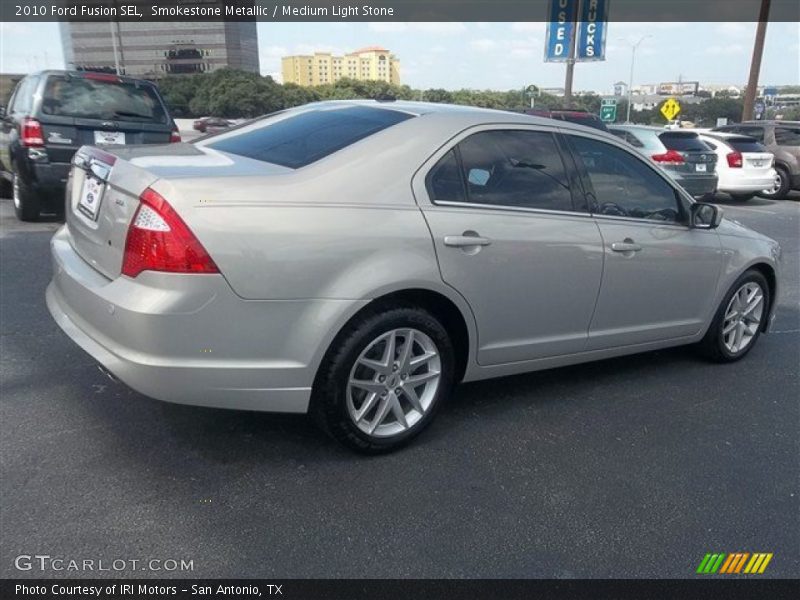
x=573, y=42
x=755, y=64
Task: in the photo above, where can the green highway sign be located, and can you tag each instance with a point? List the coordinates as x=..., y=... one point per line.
x=608, y=102
x=608, y=113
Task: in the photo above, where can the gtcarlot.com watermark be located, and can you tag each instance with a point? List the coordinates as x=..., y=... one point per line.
x=47, y=563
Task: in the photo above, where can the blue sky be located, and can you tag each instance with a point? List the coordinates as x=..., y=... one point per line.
x=494, y=55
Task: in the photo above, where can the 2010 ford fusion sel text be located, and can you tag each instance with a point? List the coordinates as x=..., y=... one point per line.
x=357, y=259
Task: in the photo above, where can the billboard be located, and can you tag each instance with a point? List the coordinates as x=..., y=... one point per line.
x=561, y=18
x=592, y=31
x=675, y=88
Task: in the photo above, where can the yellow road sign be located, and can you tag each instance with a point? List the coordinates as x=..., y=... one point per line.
x=670, y=109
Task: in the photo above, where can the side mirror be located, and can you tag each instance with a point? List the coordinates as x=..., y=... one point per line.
x=705, y=216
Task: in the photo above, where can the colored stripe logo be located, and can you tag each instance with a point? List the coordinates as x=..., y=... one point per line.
x=734, y=563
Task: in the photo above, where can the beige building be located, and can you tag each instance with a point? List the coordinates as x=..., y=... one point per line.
x=367, y=64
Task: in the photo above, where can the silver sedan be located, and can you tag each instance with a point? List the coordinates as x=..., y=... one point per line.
x=356, y=260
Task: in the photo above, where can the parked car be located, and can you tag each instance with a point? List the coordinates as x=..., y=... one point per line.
x=53, y=113
x=744, y=166
x=579, y=117
x=356, y=259
x=679, y=152
x=211, y=124
x=782, y=138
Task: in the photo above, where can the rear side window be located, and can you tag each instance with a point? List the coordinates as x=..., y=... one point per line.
x=305, y=138
x=745, y=145
x=683, y=142
x=787, y=136
x=510, y=168
x=85, y=97
x=23, y=98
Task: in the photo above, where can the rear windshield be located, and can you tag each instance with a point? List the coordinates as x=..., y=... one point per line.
x=787, y=136
x=84, y=98
x=745, y=145
x=683, y=142
x=309, y=136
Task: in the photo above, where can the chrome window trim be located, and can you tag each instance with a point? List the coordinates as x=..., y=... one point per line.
x=513, y=209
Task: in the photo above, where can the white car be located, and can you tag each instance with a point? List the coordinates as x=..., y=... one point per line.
x=744, y=166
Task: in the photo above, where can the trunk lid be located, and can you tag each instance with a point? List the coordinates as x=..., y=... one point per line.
x=105, y=184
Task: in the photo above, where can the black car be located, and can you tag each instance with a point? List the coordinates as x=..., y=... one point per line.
x=579, y=117
x=53, y=113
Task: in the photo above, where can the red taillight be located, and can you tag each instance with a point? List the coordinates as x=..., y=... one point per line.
x=672, y=157
x=31, y=135
x=159, y=240
x=734, y=160
x=175, y=136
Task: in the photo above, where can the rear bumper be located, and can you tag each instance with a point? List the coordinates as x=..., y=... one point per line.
x=51, y=175
x=698, y=185
x=188, y=338
x=746, y=185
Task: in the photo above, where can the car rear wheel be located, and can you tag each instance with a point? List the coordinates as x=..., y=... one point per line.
x=383, y=379
x=739, y=319
x=781, y=187
x=26, y=201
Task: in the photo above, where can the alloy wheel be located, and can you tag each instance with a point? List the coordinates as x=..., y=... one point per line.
x=393, y=382
x=776, y=185
x=743, y=317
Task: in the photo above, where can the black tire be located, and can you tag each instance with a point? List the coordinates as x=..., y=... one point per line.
x=329, y=400
x=712, y=346
x=783, y=188
x=27, y=204
x=742, y=197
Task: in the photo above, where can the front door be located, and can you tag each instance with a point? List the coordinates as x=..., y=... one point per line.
x=660, y=275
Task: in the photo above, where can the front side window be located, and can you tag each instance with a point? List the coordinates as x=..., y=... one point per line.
x=623, y=185
x=511, y=168
x=787, y=136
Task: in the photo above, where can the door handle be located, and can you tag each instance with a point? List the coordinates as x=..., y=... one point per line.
x=626, y=246
x=464, y=241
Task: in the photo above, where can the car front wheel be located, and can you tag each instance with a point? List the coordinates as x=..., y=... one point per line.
x=384, y=379
x=739, y=319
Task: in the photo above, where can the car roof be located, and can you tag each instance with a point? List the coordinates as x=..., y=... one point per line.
x=80, y=73
x=468, y=115
x=726, y=135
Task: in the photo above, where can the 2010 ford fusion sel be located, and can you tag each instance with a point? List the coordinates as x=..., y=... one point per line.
x=356, y=260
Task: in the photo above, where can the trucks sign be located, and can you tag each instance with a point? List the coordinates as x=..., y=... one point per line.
x=592, y=30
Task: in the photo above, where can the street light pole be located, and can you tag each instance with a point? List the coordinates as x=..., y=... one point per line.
x=755, y=63
x=630, y=79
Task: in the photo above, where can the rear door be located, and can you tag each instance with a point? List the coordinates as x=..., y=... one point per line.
x=99, y=109
x=660, y=275
x=510, y=238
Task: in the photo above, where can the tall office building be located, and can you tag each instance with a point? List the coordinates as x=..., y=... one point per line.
x=368, y=64
x=156, y=49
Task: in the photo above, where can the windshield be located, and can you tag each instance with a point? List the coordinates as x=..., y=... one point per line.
x=87, y=98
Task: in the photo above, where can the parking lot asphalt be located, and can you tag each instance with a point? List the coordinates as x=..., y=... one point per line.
x=631, y=467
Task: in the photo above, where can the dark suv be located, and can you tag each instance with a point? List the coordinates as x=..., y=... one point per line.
x=579, y=117
x=53, y=113
x=782, y=138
